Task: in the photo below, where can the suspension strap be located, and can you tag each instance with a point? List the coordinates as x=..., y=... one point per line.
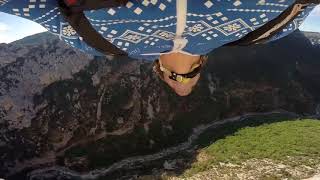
x=265, y=32
x=86, y=5
x=72, y=11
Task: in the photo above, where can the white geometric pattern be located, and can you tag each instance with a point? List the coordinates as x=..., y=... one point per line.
x=26, y=10
x=198, y=28
x=138, y=11
x=51, y=28
x=208, y=4
x=68, y=31
x=162, y=7
x=103, y=28
x=114, y=32
x=48, y=14
x=165, y=35
x=154, y=2
x=237, y=3
x=151, y=41
x=232, y=27
x=129, y=4
x=111, y=11
x=120, y=21
x=132, y=36
x=145, y=2
x=261, y=3
x=255, y=10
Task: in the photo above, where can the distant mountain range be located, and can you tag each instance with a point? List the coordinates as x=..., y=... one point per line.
x=37, y=39
x=60, y=107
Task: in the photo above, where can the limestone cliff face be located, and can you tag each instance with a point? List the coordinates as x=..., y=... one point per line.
x=26, y=67
x=61, y=107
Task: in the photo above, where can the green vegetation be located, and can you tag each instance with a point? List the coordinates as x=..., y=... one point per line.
x=279, y=141
x=226, y=129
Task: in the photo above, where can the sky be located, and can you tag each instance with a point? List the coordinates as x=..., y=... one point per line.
x=13, y=28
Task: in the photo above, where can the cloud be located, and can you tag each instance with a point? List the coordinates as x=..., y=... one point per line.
x=5, y=39
x=4, y=27
x=316, y=11
x=312, y=22
x=13, y=28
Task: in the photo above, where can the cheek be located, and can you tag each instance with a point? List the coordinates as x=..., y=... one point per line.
x=172, y=84
x=182, y=90
x=168, y=81
x=195, y=80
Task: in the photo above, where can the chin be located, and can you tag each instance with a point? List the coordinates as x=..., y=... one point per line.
x=183, y=93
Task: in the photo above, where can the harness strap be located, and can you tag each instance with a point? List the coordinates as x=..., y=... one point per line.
x=265, y=32
x=83, y=27
x=86, y=5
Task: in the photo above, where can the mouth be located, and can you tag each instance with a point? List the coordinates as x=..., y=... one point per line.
x=182, y=91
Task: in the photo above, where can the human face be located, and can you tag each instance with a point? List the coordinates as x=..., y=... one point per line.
x=180, y=64
x=182, y=89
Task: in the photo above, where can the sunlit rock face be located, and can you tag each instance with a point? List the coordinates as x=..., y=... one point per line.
x=61, y=107
x=28, y=66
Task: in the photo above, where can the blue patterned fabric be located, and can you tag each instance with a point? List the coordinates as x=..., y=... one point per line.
x=148, y=26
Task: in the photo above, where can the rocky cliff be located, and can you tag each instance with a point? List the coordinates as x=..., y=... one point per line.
x=62, y=108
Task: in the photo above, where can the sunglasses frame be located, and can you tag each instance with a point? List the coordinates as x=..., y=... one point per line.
x=182, y=78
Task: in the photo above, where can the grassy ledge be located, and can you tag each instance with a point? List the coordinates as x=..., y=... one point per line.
x=278, y=142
